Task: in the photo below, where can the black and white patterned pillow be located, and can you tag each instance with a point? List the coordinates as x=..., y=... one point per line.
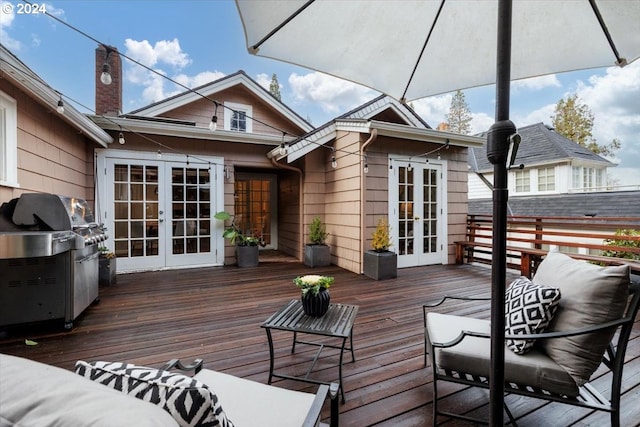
x=190, y=402
x=529, y=308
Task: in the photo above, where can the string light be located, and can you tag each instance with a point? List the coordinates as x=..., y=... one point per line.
x=121, y=140
x=105, y=77
x=334, y=162
x=60, y=108
x=213, y=126
x=159, y=154
x=409, y=168
x=366, y=164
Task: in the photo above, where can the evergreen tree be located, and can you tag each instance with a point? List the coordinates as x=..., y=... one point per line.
x=274, y=87
x=574, y=120
x=459, y=116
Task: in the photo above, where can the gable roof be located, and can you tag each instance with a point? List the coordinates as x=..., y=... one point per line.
x=24, y=78
x=600, y=204
x=540, y=145
x=208, y=89
x=408, y=125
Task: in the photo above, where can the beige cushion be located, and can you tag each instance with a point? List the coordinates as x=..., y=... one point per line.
x=591, y=295
x=252, y=404
x=472, y=355
x=33, y=394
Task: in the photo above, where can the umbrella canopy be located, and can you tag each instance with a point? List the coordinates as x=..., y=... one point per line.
x=413, y=49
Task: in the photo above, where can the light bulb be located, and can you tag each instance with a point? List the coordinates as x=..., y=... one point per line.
x=283, y=150
x=213, y=126
x=409, y=167
x=60, y=108
x=105, y=77
x=366, y=168
x=121, y=140
x=159, y=154
x=334, y=162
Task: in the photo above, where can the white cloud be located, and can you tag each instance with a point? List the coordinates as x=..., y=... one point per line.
x=536, y=83
x=7, y=15
x=433, y=109
x=162, y=53
x=333, y=95
x=613, y=99
x=264, y=80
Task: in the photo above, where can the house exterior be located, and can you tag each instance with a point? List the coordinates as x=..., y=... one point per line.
x=42, y=150
x=159, y=173
x=552, y=163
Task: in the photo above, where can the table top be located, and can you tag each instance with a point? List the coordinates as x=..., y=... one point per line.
x=337, y=321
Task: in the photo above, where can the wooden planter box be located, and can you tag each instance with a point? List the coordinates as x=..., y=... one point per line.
x=317, y=255
x=381, y=265
x=247, y=256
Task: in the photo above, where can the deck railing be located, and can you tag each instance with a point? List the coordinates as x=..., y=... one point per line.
x=530, y=238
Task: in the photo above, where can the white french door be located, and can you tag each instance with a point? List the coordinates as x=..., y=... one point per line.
x=159, y=210
x=417, y=200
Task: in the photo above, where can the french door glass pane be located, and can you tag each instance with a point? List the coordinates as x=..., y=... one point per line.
x=191, y=212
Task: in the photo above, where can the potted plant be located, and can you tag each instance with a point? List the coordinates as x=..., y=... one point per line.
x=246, y=246
x=381, y=263
x=315, y=296
x=317, y=253
x=106, y=266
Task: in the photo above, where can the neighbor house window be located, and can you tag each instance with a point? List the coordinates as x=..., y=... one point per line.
x=8, y=141
x=589, y=178
x=523, y=183
x=546, y=179
x=237, y=117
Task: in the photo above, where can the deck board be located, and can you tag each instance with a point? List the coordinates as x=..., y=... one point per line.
x=216, y=313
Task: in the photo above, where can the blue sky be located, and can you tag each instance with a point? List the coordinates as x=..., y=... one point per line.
x=198, y=41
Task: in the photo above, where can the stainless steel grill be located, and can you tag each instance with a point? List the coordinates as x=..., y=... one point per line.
x=49, y=258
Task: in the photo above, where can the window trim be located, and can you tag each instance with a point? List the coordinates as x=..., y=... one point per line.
x=526, y=176
x=8, y=141
x=228, y=114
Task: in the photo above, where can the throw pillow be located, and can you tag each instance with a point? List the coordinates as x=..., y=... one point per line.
x=591, y=295
x=190, y=402
x=529, y=308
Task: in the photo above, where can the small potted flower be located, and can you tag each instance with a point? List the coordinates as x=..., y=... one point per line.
x=106, y=266
x=315, y=294
x=381, y=263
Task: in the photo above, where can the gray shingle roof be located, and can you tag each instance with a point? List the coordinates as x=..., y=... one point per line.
x=601, y=204
x=540, y=144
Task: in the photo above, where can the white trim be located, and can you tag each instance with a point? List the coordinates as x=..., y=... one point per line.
x=8, y=141
x=230, y=108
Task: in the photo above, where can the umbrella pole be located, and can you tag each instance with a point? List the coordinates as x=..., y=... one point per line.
x=497, y=148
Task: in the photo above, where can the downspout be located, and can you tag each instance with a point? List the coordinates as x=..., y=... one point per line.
x=372, y=137
x=275, y=163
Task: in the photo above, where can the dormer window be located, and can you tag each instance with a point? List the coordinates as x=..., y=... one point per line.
x=237, y=117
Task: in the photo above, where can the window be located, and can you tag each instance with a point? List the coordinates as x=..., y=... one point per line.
x=237, y=117
x=576, y=180
x=588, y=179
x=523, y=184
x=546, y=179
x=8, y=141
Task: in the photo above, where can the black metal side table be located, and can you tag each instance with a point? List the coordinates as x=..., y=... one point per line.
x=336, y=323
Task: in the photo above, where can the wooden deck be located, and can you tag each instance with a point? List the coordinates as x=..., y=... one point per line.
x=215, y=314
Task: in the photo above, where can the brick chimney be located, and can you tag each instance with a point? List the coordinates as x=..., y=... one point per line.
x=108, y=97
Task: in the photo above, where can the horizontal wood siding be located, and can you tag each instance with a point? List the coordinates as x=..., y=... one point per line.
x=457, y=201
x=289, y=239
x=53, y=157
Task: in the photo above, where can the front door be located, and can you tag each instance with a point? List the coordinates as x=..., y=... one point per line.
x=158, y=210
x=416, y=210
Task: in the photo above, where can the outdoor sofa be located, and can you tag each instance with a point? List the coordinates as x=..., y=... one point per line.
x=36, y=394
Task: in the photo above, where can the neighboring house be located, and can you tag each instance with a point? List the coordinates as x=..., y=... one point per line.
x=552, y=163
x=158, y=189
x=42, y=150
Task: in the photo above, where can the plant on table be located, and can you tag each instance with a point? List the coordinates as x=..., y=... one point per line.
x=313, y=283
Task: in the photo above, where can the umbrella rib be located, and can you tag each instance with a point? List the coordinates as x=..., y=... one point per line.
x=424, y=46
x=619, y=61
x=256, y=47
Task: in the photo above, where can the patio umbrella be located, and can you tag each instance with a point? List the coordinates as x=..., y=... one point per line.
x=413, y=49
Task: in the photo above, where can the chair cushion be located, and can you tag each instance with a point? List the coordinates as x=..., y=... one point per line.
x=253, y=404
x=36, y=394
x=473, y=356
x=591, y=295
x=190, y=402
x=529, y=308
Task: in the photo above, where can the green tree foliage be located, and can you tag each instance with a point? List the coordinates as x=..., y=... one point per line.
x=459, y=116
x=274, y=87
x=624, y=242
x=574, y=120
